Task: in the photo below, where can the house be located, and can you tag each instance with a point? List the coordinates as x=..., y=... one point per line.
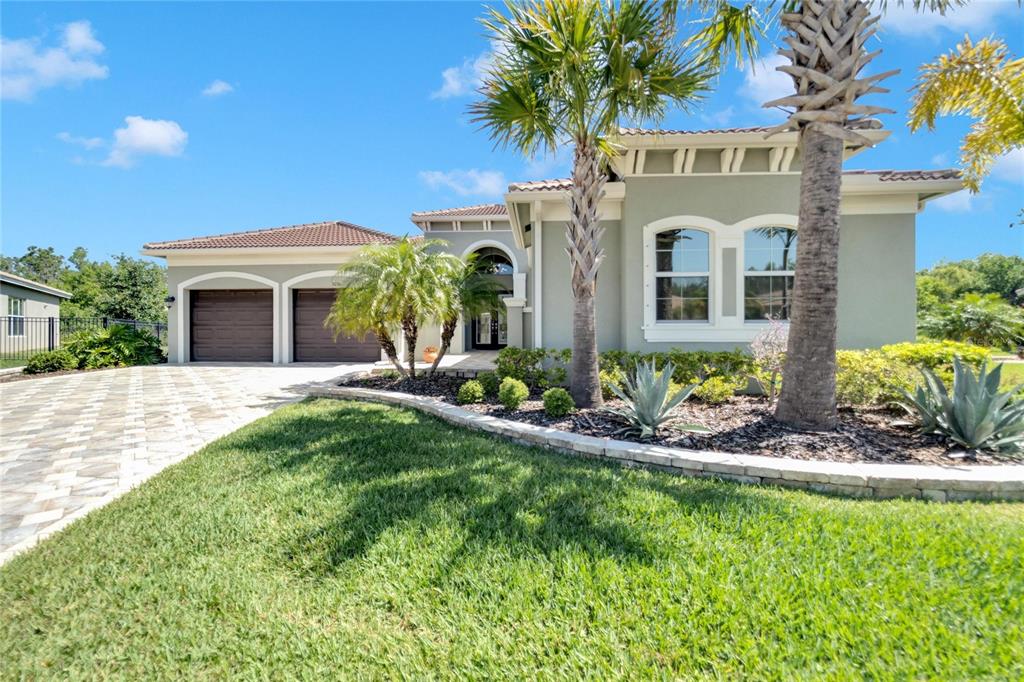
x=30, y=313
x=700, y=240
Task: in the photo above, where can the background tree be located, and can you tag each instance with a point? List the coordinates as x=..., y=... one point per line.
x=390, y=286
x=982, y=81
x=43, y=265
x=133, y=289
x=569, y=72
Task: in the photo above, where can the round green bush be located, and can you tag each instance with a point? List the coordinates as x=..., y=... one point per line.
x=558, y=402
x=51, y=361
x=490, y=381
x=716, y=390
x=470, y=392
x=512, y=393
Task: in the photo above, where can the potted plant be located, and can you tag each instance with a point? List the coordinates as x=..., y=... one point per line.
x=430, y=354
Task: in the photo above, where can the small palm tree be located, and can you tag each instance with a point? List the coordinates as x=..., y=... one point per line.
x=469, y=289
x=388, y=286
x=569, y=72
x=979, y=80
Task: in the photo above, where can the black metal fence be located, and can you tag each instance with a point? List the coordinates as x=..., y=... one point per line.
x=21, y=337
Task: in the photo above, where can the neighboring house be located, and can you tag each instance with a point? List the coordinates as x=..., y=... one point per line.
x=31, y=314
x=700, y=241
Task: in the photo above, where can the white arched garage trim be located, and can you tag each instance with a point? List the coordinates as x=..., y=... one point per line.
x=286, y=290
x=184, y=286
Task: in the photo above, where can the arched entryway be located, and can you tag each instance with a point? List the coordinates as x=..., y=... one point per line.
x=489, y=330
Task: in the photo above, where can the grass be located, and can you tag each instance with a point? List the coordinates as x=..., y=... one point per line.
x=1013, y=375
x=8, y=362
x=339, y=539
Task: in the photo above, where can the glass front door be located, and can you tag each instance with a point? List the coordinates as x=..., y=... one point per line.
x=490, y=330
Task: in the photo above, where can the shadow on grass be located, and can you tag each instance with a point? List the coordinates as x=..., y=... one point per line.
x=373, y=468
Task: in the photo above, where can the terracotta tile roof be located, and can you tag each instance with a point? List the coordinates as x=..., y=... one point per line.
x=462, y=212
x=559, y=185
x=899, y=175
x=328, y=233
x=712, y=131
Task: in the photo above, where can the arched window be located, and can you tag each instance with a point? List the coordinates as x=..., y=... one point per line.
x=495, y=260
x=769, y=257
x=682, y=284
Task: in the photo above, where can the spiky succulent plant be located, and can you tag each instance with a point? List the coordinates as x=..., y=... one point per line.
x=646, y=400
x=976, y=414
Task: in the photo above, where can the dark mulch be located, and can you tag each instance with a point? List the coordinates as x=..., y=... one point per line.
x=743, y=425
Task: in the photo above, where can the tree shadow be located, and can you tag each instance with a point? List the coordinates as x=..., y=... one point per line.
x=382, y=468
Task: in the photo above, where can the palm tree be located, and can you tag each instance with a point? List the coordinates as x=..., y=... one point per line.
x=569, y=72
x=978, y=80
x=469, y=290
x=388, y=286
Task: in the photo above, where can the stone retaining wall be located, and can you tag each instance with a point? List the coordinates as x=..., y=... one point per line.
x=937, y=483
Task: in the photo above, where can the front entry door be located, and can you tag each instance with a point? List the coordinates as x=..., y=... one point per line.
x=490, y=330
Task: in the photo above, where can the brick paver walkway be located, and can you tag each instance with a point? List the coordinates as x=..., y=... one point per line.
x=71, y=443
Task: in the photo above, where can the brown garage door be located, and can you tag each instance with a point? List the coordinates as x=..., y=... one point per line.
x=232, y=325
x=314, y=343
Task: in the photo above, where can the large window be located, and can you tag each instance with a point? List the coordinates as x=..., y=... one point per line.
x=16, y=317
x=769, y=255
x=682, y=281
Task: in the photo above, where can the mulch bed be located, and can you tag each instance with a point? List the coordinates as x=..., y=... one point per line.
x=742, y=425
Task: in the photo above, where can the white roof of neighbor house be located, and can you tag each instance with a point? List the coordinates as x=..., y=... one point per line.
x=11, y=278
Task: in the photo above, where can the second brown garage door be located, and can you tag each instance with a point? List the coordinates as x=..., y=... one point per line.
x=314, y=343
x=232, y=325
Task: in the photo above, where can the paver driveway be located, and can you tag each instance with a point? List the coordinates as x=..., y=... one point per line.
x=71, y=443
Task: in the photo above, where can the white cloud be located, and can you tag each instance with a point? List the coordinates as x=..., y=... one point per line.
x=940, y=159
x=87, y=142
x=218, y=87
x=958, y=202
x=143, y=136
x=558, y=164
x=975, y=17
x=762, y=83
x=26, y=66
x=471, y=182
x=1010, y=167
x=721, y=118
x=457, y=81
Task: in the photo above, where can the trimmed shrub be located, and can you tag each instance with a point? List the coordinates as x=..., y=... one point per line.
x=871, y=377
x=59, y=360
x=937, y=355
x=687, y=365
x=558, y=402
x=490, y=381
x=610, y=377
x=470, y=392
x=538, y=368
x=512, y=393
x=716, y=390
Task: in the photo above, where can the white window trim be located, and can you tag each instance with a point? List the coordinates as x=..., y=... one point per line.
x=11, y=317
x=718, y=328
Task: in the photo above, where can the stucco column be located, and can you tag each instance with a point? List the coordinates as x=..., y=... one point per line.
x=514, y=321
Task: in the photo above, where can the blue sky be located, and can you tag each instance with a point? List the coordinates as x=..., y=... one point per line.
x=129, y=122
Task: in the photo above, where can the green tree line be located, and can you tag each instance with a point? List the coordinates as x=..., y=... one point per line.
x=123, y=287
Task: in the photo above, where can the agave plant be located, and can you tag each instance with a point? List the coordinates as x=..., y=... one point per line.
x=647, y=403
x=976, y=415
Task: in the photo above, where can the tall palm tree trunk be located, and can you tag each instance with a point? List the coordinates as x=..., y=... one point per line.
x=808, y=398
x=585, y=255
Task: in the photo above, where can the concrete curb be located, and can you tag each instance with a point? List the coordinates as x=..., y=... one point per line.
x=880, y=481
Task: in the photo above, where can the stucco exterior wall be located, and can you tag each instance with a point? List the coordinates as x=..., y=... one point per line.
x=556, y=324
x=876, y=279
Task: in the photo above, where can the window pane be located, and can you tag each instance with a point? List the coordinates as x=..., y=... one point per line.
x=767, y=296
x=682, y=298
x=682, y=251
x=769, y=249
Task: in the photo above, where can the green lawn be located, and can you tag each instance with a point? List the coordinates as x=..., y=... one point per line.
x=1013, y=375
x=340, y=539
x=7, y=362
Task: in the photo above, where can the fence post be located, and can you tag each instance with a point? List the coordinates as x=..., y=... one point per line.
x=52, y=336
x=105, y=322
